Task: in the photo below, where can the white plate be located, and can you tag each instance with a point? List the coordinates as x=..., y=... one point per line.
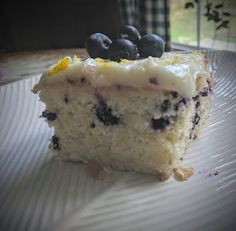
x=37, y=193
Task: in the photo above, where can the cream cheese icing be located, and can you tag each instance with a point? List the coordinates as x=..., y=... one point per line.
x=176, y=72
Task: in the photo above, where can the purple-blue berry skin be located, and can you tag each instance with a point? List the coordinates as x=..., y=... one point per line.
x=204, y=93
x=130, y=33
x=151, y=45
x=104, y=114
x=165, y=106
x=195, y=98
x=197, y=104
x=97, y=45
x=196, y=119
x=174, y=94
x=122, y=49
x=49, y=115
x=153, y=81
x=55, y=142
x=159, y=124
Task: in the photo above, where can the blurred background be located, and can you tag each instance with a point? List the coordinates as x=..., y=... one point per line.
x=67, y=24
x=38, y=25
x=203, y=23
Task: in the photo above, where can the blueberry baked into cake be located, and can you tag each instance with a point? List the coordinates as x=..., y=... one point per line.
x=129, y=105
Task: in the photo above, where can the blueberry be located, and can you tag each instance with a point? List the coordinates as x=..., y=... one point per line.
x=104, y=114
x=153, y=80
x=122, y=49
x=82, y=79
x=196, y=119
x=204, y=93
x=181, y=102
x=97, y=45
x=151, y=45
x=197, y=104
x=176, y=107
x=165, y=105
x=174, y=94
x=49, y=115
x=195, y=98
x=209, y=85
x=66, y=100
x=55, y=142
x=92, y=125
x=130, y=33
x=159, y=124
x=71, y=81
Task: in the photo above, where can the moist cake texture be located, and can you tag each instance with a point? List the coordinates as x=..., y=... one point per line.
x=133, y=115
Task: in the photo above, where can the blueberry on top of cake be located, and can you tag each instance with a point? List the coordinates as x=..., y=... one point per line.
x=128, y=105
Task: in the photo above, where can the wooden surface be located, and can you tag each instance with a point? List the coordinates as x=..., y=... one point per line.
x=22, y=65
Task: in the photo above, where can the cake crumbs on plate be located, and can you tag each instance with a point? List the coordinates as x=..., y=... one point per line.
x=98, y=171
x=209, y=173
x=183, y=174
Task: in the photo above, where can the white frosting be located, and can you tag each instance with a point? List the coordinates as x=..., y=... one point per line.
x=176, y=72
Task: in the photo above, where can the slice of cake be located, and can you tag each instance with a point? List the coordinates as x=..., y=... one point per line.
x=137, y=115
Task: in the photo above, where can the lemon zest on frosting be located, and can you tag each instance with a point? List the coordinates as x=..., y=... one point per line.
x=105, y=63
x=100, y=61
x=76, y=59
x=125, y=61
x=109, y=64
x=171, y=61
x=62, y=65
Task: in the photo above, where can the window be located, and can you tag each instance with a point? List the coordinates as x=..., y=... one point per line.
x=190, y=27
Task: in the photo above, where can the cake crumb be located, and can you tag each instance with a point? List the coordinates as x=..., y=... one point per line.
x=36, y=88
x=98, y=171
x=183, y=174
x=209, y=173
